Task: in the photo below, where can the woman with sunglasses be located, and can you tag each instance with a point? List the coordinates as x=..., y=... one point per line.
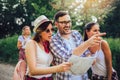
x=37, y=52
x=102, y=69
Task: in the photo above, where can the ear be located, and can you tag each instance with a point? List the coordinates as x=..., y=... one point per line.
x=56, y=24
x=86, y=31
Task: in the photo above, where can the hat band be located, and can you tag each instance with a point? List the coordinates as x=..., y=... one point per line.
x=44, y=21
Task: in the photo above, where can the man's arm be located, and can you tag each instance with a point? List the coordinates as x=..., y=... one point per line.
x=58, y=49
x=94, y=40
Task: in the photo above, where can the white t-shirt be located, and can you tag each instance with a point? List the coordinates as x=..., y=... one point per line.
x=23, y=40
x=71, y=45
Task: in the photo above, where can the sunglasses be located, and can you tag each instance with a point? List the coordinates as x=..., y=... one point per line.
x=48, y=30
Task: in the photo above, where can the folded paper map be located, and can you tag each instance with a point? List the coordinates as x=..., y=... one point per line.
x=80, y=64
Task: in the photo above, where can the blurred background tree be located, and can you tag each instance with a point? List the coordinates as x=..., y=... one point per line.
x=83, y=11
x=17, y=13
x=112, y=21
x=14, y=14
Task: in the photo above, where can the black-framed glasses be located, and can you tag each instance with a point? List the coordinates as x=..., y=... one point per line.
x=65, y=22
x=48, y=30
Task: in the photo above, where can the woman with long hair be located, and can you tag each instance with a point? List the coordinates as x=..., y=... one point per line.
x=38, y=55
x=102, y=69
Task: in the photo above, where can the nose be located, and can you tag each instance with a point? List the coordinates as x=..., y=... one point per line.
x=67, y=24
x=51, y=32
x=98, y=32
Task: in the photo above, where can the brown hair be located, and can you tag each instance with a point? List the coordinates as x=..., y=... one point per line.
x=60, y=14
x=88, y=27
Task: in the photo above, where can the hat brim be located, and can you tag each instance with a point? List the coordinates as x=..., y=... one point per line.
x=35, y=28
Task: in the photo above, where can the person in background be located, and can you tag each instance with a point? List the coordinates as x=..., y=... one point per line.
x=22, y=40
x=20, y=68
x=38, y=55
x=102, y=69
x=67, y=42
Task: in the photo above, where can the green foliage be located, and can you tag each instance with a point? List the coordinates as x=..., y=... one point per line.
x=10, y=12
x=43, y=7
x=8, y=49
x=17, y=13
x=114, y=44
x=112, y=24
x=115, y=47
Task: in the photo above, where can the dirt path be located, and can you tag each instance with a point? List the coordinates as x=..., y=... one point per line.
x=6, y=71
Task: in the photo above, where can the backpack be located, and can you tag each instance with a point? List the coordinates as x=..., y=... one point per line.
x=20, y=70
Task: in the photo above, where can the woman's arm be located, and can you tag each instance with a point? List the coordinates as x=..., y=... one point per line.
x=108, y=58
x=30, y=52
x=19, y=44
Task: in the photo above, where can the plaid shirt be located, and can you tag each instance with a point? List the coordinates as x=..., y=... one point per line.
x=62, y=53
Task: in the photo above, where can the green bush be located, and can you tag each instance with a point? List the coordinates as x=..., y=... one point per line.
x=114, y=46
x=8, y=49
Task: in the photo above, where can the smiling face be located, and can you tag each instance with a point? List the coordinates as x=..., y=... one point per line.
x=47, y=34
x=64, y=25
x=94, y=30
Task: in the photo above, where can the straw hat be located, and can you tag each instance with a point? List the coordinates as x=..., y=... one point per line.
x=40, y=20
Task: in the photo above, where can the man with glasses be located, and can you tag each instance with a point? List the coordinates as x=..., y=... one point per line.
x=67, y=42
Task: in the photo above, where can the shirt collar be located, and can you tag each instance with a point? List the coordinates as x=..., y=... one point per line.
x=60, y=37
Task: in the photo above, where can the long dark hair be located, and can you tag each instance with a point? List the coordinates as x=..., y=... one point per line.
x=88, y=27
x=40, y=29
